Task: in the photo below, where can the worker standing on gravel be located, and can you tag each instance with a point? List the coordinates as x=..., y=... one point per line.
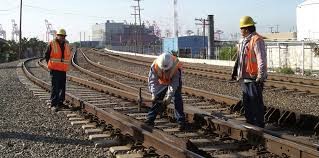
x=58, y=56
x=251, y=71
x=165, y=83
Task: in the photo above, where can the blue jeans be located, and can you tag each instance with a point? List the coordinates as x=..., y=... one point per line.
x=178, y=103
x=253, y=103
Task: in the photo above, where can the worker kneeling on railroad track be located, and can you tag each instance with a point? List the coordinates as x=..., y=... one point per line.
x=58, y=56
x=251, y=71
x=165, y=83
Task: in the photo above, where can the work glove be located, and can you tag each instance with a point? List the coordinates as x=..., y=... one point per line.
x=153, y=98
x=167, y=100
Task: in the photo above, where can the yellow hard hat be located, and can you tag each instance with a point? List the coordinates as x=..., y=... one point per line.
x=246, y=21
x=61, y=32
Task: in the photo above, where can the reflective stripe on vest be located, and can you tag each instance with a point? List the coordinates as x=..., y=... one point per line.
x=55, y=62
x=166, y=77
x=251, y=59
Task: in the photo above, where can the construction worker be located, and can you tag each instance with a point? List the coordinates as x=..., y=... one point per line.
x=58, y=56
x=251, y=71
x=165, y=83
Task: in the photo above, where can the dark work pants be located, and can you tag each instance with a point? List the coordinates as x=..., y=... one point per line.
x=58, y=79
x=178, y=103
x=253, y=103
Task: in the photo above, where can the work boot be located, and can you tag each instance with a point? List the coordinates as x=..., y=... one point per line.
x=149, y=123
x=54, y=109
x=62, y=105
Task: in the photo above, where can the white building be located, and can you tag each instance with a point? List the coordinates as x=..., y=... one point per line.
x=98, y=32
x=307, y=20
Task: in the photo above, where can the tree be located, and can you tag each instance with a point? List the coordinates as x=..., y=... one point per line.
x=227, y=52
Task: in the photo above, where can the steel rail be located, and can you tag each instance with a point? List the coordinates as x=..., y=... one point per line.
x=271, y=76
x=281, y=116
x=274, y=81
x=240, y=131
x=164, y=143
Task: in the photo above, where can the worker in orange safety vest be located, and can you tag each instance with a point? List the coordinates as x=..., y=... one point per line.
x=251, y=71
x=165, y=83
x=58, y=55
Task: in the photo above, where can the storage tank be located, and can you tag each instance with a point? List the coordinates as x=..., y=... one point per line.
x=307, y=20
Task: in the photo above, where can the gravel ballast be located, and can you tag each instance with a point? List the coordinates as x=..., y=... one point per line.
x=279, y=99
x=29, y=129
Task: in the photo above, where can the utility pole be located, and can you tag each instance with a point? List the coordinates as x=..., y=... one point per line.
x=204, y=23
x=141, y=29
x=20, y=32
x=135, y=26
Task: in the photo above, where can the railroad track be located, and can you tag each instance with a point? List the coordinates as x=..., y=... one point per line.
x=210, y=135
x=101, y=114
x=225, y=130
x=283, y=82
x=282, y=117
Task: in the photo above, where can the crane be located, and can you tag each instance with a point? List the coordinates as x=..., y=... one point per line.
x=50, y=31
x=15, y=30
x=2, y=32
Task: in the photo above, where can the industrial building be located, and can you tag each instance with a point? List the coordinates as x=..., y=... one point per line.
x=121, y=34
x=187, y=46
x=280, y=36
x=307, y=23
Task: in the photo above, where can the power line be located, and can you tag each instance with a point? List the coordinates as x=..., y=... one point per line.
x=65, y=13
x=5, y=10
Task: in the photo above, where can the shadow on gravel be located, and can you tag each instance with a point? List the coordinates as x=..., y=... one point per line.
x=44, y=139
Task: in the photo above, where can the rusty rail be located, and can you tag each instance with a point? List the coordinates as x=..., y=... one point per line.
x=274, y=80
x=240, y=131
x=164, y=143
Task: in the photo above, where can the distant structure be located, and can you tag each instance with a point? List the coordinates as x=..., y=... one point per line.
x=50, y=31
x=307, y=25
x=121, y=34
x=15, y=31
x=176, y=32
x=2, y=32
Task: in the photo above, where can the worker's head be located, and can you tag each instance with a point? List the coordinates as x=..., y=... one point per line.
x=247, y=26
x=165, y=61
x=61, y=34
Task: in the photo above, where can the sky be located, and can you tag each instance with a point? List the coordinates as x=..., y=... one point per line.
x=78, y=15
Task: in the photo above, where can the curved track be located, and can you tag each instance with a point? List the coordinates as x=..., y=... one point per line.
x=111, y=102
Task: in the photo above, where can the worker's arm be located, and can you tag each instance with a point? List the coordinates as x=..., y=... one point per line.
x=174, y=84
x=47, y=53
x=261, y=56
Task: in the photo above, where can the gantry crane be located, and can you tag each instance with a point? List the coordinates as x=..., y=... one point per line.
x=15, y=31
x=50, y=31
x=2, y=32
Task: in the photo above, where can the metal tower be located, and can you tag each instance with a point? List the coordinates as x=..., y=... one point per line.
x=50, y=31
x=15, y=31
x=2, y=32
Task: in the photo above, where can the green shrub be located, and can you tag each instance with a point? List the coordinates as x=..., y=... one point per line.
x=285, y=70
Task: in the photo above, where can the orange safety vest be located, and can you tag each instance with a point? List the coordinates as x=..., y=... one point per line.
x=166, y=77
x=250, y=56
x=55, y=62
